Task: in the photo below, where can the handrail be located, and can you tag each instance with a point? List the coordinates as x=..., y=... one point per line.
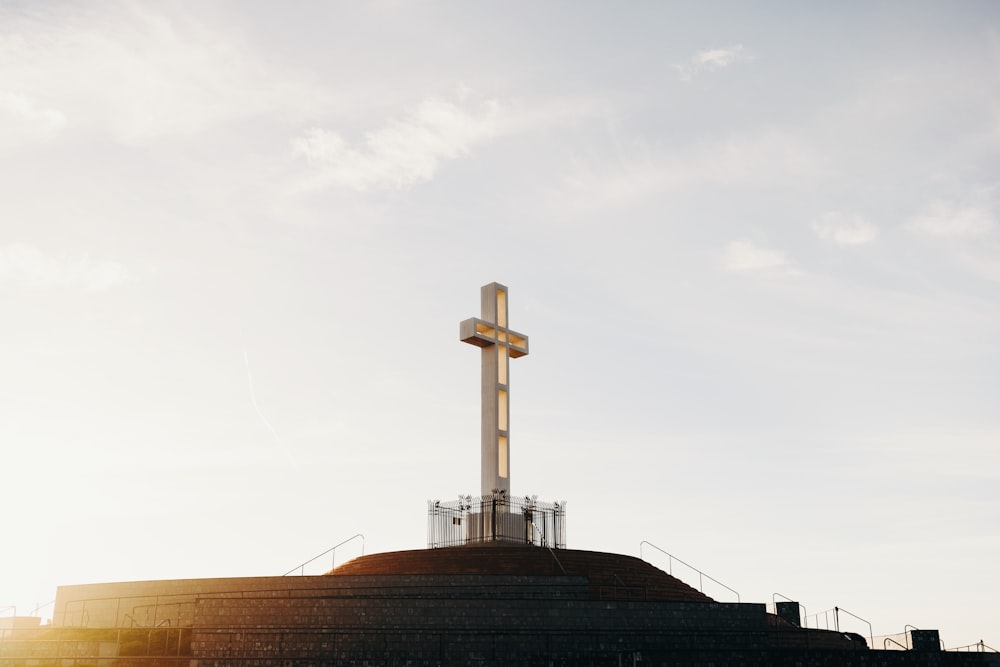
x=40, y=607
x=805, y=612
x=545, y=543
x=701, y=574
x=836, y=621
x=302, y=568
x=885, y=644
x=837, y=610
x=981, y=647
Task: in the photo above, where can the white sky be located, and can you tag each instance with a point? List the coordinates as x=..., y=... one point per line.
x=756, y=249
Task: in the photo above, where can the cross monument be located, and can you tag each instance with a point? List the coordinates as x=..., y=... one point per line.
x=499, y=344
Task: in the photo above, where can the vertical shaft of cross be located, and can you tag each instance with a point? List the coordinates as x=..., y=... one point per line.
x=499, y=344
x=495, y=396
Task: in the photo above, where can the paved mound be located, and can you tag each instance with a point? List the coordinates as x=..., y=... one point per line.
x=609, y=576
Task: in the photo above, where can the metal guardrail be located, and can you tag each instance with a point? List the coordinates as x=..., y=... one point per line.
x=836, y=621
x=496, y=517
x=701, y=575
x=897, y=641
x=333, y=558
x=978, y=647
x=545, y=543
x=889, y=640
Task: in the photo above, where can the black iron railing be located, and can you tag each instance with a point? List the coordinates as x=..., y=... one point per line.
x=496, y=518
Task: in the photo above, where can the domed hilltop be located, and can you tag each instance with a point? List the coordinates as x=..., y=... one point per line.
x=608, y=576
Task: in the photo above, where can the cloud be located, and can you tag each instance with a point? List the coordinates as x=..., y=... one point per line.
x=712, y=60
x=766, y=158
x=746, y=256
x=26, y=265
x=24, y=119
x=945, y=219
x=137, y=71
x=405, y=152
x=843, y=229
x=983, y=260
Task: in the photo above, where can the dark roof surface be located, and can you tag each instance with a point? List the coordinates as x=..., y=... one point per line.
x=610, y=576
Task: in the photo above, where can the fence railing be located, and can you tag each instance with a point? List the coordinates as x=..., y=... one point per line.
x=978, y=647
x=835, y=615
x=496, y=518
x=898, y=641
x=670, y=569
x=333, y=557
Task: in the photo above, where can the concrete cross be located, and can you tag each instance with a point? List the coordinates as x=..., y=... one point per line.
x=499, y=344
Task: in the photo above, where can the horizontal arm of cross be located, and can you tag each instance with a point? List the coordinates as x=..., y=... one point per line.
x=481, y=333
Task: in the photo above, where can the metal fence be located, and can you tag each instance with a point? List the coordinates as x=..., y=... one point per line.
x=496, y=518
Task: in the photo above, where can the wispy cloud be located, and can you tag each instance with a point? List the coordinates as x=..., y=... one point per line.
x=25, y=119
x=844, y=229
x=747, y=256
x=983, y=260
x=137, y=71
x=26, y=265
x=946, y=219
x=765, y=158
x=256, y=407
x=711, y=60
x=404, y=152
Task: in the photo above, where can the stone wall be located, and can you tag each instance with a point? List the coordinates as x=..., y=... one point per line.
x=426, y=619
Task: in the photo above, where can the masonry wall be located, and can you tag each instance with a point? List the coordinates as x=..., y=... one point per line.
x=416, y=620
x=463, y=626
